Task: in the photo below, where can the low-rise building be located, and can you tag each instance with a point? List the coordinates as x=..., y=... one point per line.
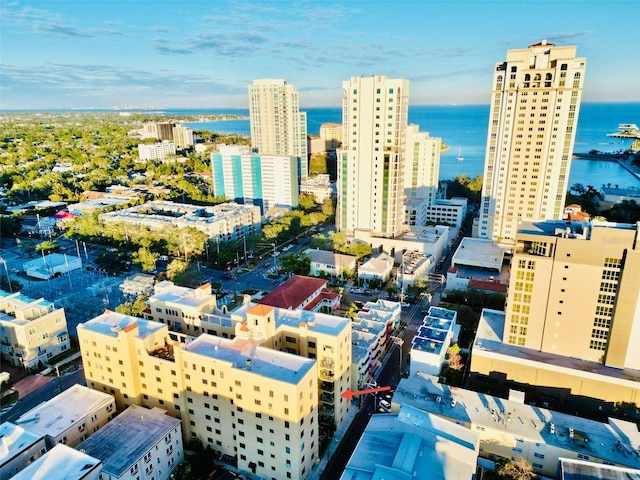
x=448, y=211
x=320, y=186
x=509, y=428
x=136, y=441
x=52, y=265
x=223, y=222
x=71, y=416
x=413, y=444
x=138, y=284
x=379, y=268
x=32, y=331
x=434, y=336
x=62, y=463
x=301, y=292
x=330, y=263
x=18, y=449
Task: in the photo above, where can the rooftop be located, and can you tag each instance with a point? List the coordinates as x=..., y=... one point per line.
x=412, y=444
x=245, y=354
x=571, y=469
x=126, y=438
x=13, y=440
x=111, y=323
x=489, y=340
x=616, y=441
x=330, y=258
x=64, y=410
x=476, y=252
x=60, y=463
x=293, y=292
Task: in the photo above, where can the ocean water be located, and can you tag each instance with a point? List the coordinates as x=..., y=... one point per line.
x=464, y=129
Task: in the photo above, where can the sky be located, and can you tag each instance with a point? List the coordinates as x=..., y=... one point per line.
x=204, y=54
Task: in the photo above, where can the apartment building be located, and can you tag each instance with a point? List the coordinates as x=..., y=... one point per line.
x=62, y=463
x=433, y=338
x=182, y=136
x=138, y=442
x=278, y=127
x=268, y=181
x=331, y=136
x=535, y=103
x=224, y=222
x=421, y=174
x=19, y=449
x=32, y=331
x=574, y=291
x=447, y=211
x=70, y=417
x=255, y=397
x=156, y=151
x=374, y=122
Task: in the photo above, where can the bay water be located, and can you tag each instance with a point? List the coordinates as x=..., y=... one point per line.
x=464, y=129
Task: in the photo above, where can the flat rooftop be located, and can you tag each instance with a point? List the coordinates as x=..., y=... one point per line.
x=15, y=439
x=110, y=323
x=60, y=463
x=413, y=444
x=489, y=339
x=477, y=252
x=64, y=410
x=571, y=469
x=246, y=355
x=617, y=441
x=126, y=438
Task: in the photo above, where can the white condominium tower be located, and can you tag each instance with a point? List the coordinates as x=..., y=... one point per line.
x=278, y=127
x=532, y=127
x=371, y=159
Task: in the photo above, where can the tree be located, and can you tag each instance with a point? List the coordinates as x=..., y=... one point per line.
x=455, y=360
x=518, y=469
x=183, y=274
x=48, y=246
x=145, y=258
x=307, y=202
x=300, y=265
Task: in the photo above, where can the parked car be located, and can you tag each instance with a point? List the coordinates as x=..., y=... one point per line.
x=384, y=405
x=163, y=258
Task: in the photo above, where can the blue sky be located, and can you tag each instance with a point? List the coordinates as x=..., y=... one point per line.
x=203, y=54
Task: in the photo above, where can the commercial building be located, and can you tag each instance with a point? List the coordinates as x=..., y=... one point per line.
x=511, y=428
x=136, y=441
x=268, y=181
x=331, y=136
x=413, y=444
x=156, y=151
x=32, y=331
x=223, y=222
x=574, y=291
x=62, y=463
x=70, y=417
x=54, y=264
x=304, y=293
x=377, y=268
x=535, y=103
x=447, y=212
x=19, y=449
x=278, y=127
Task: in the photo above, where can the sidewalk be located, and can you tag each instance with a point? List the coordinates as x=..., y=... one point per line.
x=335, y=441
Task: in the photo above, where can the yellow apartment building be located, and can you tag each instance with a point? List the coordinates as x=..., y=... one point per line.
x=259, y=405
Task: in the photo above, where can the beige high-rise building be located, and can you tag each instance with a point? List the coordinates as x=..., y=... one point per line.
x=575, y=291
x=371, y=160
x=278, y=127
x=532, y=127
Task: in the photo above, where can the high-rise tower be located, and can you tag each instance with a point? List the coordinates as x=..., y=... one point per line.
x=532, y=127
x=372, y=156
x=278, y=127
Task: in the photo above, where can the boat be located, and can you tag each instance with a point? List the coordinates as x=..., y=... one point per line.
x=627, y=127
x=460, y=157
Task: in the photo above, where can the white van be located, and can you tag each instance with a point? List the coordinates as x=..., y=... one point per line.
x=384, y=405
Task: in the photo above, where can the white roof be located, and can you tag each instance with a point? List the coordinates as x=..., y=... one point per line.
x=60, y=463
x=126, y=438
x=13, y=440
x=413, y=444
x=64, y=410
x=476, y=252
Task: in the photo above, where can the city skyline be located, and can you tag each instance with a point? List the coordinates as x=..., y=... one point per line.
x=138, y=54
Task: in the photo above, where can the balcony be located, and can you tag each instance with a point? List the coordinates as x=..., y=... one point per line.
x=326, y=398
x=327, y=387
x=327, y=375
